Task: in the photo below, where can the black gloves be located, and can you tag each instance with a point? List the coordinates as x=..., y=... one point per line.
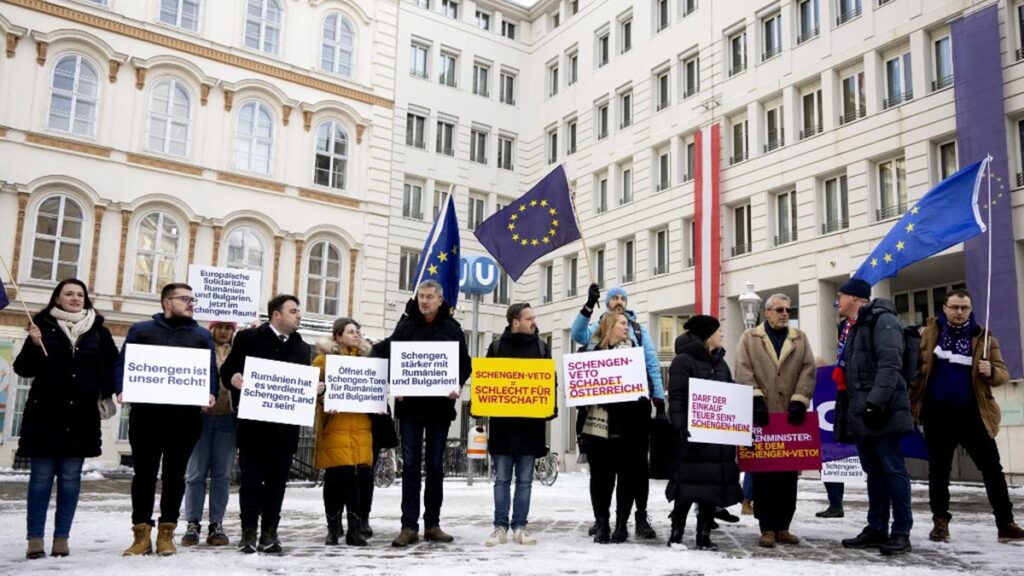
x=593, y=295
x=760, y=411
x=797, y=413
x=874, y=417
x=659, y=408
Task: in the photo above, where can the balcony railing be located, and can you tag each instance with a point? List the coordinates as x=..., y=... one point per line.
x=897, y=99
x=775, y=141
x=941, y=83
x=852, y=115
x=687, y=177
x=848, y=15
x=662, y=186
x=659, y=270
x=890, y=211
x=602, y=208
x=570, y=293
x=806, y=35
x=834, y=225
x=418, y=73
x=737, y=68
x=738, y=158
x=1020, y=179
x=741, y=249
x=811, y=130
x=1020, y=54
x=546, y=298
x=625, y=200
x=771, y=52
x=785, y=238
x=627, y=278
x=663, y=104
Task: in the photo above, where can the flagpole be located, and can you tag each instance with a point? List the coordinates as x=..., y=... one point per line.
x=988, y=287
x=19, y=299
x=583, y=240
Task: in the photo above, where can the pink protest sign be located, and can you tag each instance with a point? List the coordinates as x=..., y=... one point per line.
x=781, y=447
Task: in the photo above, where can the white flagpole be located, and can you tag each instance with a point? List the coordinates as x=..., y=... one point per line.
x=988, y=287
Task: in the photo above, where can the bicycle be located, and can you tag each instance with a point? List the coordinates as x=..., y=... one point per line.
x=545, y=470
x=386, y=470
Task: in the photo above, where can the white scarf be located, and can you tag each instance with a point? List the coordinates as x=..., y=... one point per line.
x=74, y=324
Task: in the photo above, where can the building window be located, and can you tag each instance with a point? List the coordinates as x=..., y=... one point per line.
x=556, y=19
x=74, y=96
x=853, y=98
x=771, y=29
x=741, y=230
x=601, y=198
x=737, y=53
x=948, y=164
x=180, y=13
x=599, y=267
x=572, y=276
x=943, y=63
x=661, y=82
x=337, y=45
x=254, y=138
x=811, y=118
x=323, y=279
x=691, y=159
x=661, y=252
x=412, y=201
x=691, y=76
x=570, y=137
x=548, y=288
x=628, y=261
x=415, y=126
x=156, y=252
x=501, y=293
x=626, y=109
x=689, y=7
x=331, y=155
x=602, y=49
x=508, y=88
x=1020, y=32
x=440, y=199
x=122, y=422
x=626, y=35
x=898, y=87
x=505, y=147
x=810, y=23
x=263, y=25
x=552, y=146
x=552, y=79
x=449, y=69
x=481, y=80
x=627, y=186
x=892, y=189
x=661, y=17
x=450, y=8
x=664, y=180
x=478, y=146
x=421, y=4
x=58, y=239
x=837, y=208
x=689, y=231
x=170, y=114
x=848, y=10
x=446, y=138
x=483, y=20
x=602, y=121
x=475, y=216
x=245, y=249
x=572, y=64
x=508, y=29
x=739, y=142
x=407, y=269
x=774, y=137
x=418, y=56
x=785, y=217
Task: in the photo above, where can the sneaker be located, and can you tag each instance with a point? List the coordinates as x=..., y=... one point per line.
x=406, y=537
x=499, y=536
x=747, y=508
x=215, y=535
x=868, y=538
x=191, y=536
x=435, y=534
x=247, y=545
x=831, y=512
x=724, y=515
x=767, y=540
x=1010, y=532
x=896, y=544
x=940, y=533
x=523, y=536
x=786, y=537
x=269, y=543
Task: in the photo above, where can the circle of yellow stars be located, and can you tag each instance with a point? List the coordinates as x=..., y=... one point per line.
x=887, y=257
x=526, y=241
x=442, y=256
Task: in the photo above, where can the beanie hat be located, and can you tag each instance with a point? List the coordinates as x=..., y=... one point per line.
x=213, y=323
x=615, y=291
x=856, y=287
x=702, y=325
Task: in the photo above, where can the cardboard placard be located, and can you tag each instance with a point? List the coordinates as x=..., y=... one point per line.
x=513, y=387
x=424, y=368
x=604, y=376
x=356, y=384
x=720, y=412
x=279, y=392
x=782, y=447
x=166, y=375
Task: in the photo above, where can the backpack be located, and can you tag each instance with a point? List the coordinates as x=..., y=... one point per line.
x=492, y=350
x=911, y=350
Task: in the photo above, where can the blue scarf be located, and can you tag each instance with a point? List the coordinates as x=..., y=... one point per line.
x=954, y=343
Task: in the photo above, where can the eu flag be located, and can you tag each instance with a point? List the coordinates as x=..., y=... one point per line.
x=440, y=257
x=538, y=222
x=948, y=214
x=4, y=301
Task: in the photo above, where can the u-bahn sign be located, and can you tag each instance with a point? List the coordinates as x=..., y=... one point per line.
x=478, y=275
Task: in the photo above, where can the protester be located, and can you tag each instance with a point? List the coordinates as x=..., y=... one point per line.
x=265, y=449
x=213, y=455
x=60, y=426
x=425, y=420
x=870, y=361
x=162, y=436
x=776, y=359
x=704, y=474
x=835, y=492
x=960, y=364
x=344, y=444
x=515, y=443
x=583, y=333
x=747, y=506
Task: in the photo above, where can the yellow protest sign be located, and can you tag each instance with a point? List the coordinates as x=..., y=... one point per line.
x=513, y=387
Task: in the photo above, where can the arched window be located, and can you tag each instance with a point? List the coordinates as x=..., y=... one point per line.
x=336, y=45
x=74, y=96
x=170, y=114
x=323, y=279
x=263, y=25
x=245, y=249
x=331, y=155
x=254, y=138
x=57, y=243
x=157, y=243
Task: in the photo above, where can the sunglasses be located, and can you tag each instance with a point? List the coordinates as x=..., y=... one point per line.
x=781, y=310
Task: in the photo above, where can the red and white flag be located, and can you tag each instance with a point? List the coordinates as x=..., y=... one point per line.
x=707, y=250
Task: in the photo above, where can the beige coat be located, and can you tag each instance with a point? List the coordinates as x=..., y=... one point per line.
x=780, y=379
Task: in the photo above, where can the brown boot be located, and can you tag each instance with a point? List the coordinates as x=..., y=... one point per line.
x=1010, y=532
x=60, y=547
x=143, y=543
x=435, y=534
x=165, y=538
x=406, y=537
x=35, y=549
x=767, y=540
x=747, y=509
x=787, y=537
x=940, y=533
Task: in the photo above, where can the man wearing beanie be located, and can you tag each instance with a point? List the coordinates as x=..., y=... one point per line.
x=869, y=373
x=777, y=361
x=582, y=331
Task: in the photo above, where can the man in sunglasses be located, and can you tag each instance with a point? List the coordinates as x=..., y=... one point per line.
x=776, y=359
x=952, y=396
x=163, y=432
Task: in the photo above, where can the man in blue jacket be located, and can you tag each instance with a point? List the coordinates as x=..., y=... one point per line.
x=163, y=432
x=582, y=331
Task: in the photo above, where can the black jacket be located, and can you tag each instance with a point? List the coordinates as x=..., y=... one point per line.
x=157, y=332
x=413, y=327
x=61, y=419
x=518, y=436
x=705, y=473
x=261, y=342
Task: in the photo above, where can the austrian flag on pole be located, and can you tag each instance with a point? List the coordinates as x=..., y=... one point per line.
x=707, y=221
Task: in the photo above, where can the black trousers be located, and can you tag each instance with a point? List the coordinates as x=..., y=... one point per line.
x=705, y=513
x=343, y=486
x=775, y=499
x=264, y=472
x=946, y=427
x=160, y=433
x=621, y=461
x=366, y=486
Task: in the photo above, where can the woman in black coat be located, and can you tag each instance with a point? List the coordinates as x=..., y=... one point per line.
x=61, y=422
x=705, y=474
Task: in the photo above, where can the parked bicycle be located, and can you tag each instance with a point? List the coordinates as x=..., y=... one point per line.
x=387, y=468
x=545, y=470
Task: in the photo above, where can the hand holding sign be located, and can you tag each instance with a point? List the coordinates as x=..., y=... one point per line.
x=278, y=392
x=166, y=375
x=355, y=384
x=513, y=387
x=604, y=377
x=719, y=412
x=425, y=369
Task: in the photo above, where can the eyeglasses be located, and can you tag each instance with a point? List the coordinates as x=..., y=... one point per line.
x=781, y=310
x=184, y=299
x=959, y=308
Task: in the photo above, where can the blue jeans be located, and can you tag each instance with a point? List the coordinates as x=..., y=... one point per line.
x=414, y=434
x=503, y=465
x=40, y=485
x=835, y=491
x=888, y=483
x=748, y=486
x=213, y=455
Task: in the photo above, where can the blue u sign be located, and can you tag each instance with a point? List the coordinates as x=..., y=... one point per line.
x=477, y=275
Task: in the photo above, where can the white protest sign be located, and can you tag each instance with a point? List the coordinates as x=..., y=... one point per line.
x=604, y=376
x=166, y=375
x=279, y=392
x=356, y=384
x=227, y=294
x=720, y=412
x=424, y=368
x=845, y=470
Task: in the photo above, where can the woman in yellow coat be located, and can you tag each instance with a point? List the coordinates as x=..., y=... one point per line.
x=344, y=443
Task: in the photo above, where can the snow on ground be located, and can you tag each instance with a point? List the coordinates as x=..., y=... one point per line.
x=560, y=515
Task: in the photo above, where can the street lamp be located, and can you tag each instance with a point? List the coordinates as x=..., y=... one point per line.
x=750, y=304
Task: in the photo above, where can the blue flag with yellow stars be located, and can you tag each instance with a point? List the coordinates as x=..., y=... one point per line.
x=538, y=222
x=440, y=257
x=948, y=214
x=3, y=296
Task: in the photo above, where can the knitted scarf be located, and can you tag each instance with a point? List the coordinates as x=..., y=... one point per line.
x=73, y=324
x=954, y=345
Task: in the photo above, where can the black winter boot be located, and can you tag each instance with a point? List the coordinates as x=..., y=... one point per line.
x=333, y=524
x=704, y=537
x=247, y=545
x=643, y=527
x=593, y=529
x=678, y=527
x=354, y=537
x=603, y=531
x=621, y=533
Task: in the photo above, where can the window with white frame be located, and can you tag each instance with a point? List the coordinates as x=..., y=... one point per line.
x=663, y=97
x=689, y=241
x=602, y=121
x=853, y=98
x=508, y=29
x=810, y=103
x=774, y=137
x=254, y=138
x=572, y=276
x=626, y=186
x=263, y=25
x=948, y=163
x=737, y=53
x=848, y=10
x=337, y=45
x=771, y=36
x=552, y=146
x=415, y=129
x=506, y=145
x=20, y=387
x=570, y=136
x=599, y=267
x=157, y=245
x=553, y=79
x=419, y=55
x=603, y=48
x=628, y=248
x=892, y=189
x=449, y=69
x=123, y=420
x=483, y=20
x=331, y=155
x=475, y=216
x=478, y=146
x=785, y=217
x=898, y=87
x=412, y=200
x=169, y=118
x=626, y=109
x=440, y=198
x=661, y=15
x=1019, y=11
x=664, y=179
x=323, y=279
x=74, y=96
x=407, y=269
x=688, y=7
x=836, y=214
x=740, y=143
x=943, y=63
x=180, y=13
x=548, y=286
x=660, y=255
x=450, y=8
x=508, y=88
x=421, y=3
x=245, y=249
x=556, y=19
x=601, y=194
x=626, y=34
x=691, y=76
x=446, y=137
x=690, y=153
x=741, y=229
x=501, y=293
x=57, y=243
x=810, y=20
x=481, y=79
x=572, y=67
